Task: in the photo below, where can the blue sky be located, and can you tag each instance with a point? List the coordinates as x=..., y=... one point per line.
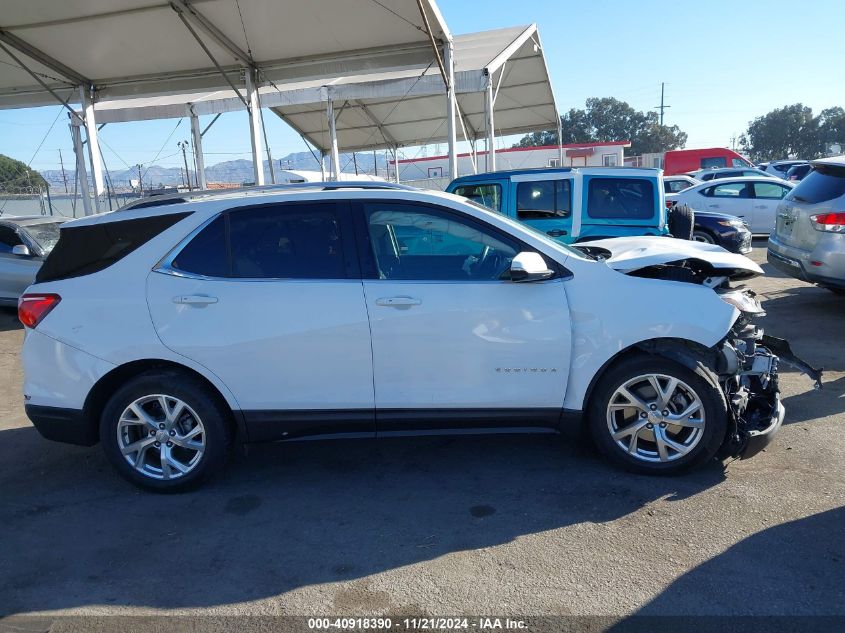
x=724, y=62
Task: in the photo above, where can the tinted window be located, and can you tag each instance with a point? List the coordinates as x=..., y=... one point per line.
x=771, y=191
x=674, y=186
x=820, y=185
x=83, y=250
x=420, y=243
x=740, y=162
x=728, y=190
x=624, y=198
x=489, y=194
x=206, y=254
x=46, y=235
x=8, y=239
x=713, y=161
x=301, y=241
x=543, y=199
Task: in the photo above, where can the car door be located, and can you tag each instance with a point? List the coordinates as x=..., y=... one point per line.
x=16, y=271
x=455, y=342
x=733, y=198
x=269, y=299
x=767, y=197
x=545, y=202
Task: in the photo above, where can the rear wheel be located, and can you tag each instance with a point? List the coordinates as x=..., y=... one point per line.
x=166, y=431
x=654, y=415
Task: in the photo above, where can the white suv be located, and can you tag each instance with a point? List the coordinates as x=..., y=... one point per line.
x=172, y=328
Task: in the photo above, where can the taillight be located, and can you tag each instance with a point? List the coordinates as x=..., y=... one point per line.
x=32, y=308
x=832, y=222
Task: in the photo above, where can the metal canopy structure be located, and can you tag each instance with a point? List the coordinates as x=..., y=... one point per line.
x=501, y=71
x=87, y=50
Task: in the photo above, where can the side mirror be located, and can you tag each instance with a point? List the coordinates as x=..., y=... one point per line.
x=529, y=267
x=21, y=250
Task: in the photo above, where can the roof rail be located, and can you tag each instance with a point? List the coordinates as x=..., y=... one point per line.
x=183, y=196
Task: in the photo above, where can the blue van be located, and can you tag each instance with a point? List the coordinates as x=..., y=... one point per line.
x=574, y=204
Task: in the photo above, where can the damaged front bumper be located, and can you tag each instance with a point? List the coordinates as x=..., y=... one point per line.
x=749, y=378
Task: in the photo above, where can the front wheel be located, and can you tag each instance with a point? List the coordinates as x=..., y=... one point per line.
x=166, y=431
x=654, y=415
x=703, y=236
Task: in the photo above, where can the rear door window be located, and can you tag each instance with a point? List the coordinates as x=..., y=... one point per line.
x=82, y=250
x=728, y=190
x=620, y=198
x=541, y=199
x=769, y=191
x=820, y=185
x=713, y=161
x=486, y=194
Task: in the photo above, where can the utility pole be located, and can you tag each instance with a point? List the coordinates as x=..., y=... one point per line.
x=64, y=176
x=375, y=164
x=355, y=162
x=662, y=105
x=183, y=145
x=140, y=184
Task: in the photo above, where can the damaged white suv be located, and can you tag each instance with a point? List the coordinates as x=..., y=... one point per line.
x=173, y=328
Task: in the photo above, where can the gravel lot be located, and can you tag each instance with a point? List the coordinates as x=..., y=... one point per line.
x=480, y=525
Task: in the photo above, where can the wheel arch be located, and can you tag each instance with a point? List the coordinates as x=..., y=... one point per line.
x=102, y=390
x=686, y=352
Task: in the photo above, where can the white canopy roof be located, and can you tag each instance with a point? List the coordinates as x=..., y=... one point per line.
x=387, y=108
x=126, y=47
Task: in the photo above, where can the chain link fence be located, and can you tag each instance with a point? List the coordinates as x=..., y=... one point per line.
x=55, y=201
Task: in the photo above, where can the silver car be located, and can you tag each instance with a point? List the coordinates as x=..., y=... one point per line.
x=809, y=237
x=24, y=243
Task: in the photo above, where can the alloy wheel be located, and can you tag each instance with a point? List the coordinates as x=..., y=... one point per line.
x=161, y=437
x=656, y=418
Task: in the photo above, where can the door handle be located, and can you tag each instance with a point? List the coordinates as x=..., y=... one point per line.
x=714, y=206
x=760, y=206
x=398, y=302
x=195, y=300
x=557, y=233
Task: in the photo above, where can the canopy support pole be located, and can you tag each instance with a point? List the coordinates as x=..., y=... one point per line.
x=396, y=163
x=335, y=154
x=449, y=62
x=560, y=140
x=94, y=155
x=199, y=161
x=254, y=126
x=81, y=172
x=491, y=128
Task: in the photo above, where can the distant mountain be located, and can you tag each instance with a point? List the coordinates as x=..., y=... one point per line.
x=237, y=171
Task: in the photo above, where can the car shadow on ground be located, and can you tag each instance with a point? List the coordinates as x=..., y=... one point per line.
x=9, y=319
x=802, y=562
x=292, y=515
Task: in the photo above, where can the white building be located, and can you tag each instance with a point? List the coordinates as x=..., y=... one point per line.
x=436, y=168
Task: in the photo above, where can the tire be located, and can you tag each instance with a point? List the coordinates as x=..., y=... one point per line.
x=192, y=456
x=681, y=221
x=703, y=236
x=699, y=445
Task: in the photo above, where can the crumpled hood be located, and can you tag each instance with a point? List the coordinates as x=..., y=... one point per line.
x=628, y=254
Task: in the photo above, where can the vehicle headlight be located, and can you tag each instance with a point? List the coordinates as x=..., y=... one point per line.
x=742, y=300
x=737, y=223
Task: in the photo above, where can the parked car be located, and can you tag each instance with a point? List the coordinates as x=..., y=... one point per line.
x=24, y=243
x=148, y=332
x=727, y=231
x=751, y=199
x=780, y=167
x=809, y=240
x=674, y=184
x=727, y=172
x=796, y=173
x=574, y=204
x=681, y=161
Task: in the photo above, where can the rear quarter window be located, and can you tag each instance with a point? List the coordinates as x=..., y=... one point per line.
x=621, y=198
x=82, y=250
x=820, y=185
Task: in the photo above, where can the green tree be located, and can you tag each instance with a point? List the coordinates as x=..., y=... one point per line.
x=609, y=119
x=790, y=131
x=15, y=175
x=832, y=127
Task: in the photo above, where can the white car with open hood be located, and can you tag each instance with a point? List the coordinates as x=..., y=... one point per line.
x=173, y=328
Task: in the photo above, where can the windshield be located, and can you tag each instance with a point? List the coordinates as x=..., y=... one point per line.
x=46, y=235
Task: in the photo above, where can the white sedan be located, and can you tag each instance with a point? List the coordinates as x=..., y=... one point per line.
x=754, y=199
